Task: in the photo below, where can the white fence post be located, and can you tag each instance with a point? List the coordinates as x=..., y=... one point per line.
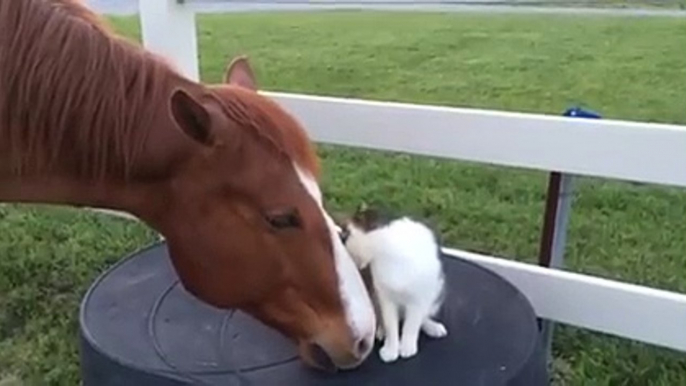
x=168, y=29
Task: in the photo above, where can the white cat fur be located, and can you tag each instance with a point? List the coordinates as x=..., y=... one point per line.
x=407, y=279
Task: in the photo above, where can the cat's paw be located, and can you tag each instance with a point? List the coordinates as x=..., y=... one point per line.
x=434, y=329
x=380, y=333
x=408, y=349
x=388, y=353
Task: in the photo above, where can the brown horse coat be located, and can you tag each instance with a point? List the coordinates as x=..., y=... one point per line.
x=224, y=173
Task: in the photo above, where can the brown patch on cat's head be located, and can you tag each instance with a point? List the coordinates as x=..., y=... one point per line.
x=369, y=218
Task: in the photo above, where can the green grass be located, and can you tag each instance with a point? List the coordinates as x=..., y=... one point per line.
x=658, y=4
x=624, y=68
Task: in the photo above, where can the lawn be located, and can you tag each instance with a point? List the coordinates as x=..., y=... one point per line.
x=659, y=4
x=624, y=68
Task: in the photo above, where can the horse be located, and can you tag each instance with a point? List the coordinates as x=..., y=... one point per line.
x=222, y=172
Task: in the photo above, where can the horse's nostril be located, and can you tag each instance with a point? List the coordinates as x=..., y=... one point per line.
x=321, y=358
x=362, y=348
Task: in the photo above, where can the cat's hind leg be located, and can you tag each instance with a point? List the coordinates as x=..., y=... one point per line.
x=430, y=326
x=433, y=328
x=380, y=333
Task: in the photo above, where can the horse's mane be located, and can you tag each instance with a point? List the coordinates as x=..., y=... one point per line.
x=282, y=133
x=67, y=83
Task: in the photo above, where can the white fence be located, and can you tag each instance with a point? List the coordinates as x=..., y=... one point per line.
x=652, y=153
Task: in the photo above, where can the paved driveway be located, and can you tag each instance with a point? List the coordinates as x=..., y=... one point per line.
x=115, y=6
x=131, y=6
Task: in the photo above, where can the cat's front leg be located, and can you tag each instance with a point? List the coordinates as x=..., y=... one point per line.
x=389, y=315
x=415, y=314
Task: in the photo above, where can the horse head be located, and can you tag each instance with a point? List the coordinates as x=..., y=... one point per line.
x=246, y=226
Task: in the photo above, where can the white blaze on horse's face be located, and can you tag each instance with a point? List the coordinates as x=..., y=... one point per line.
x=354, y=296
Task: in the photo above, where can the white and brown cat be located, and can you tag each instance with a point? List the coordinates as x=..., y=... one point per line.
x=402, y=256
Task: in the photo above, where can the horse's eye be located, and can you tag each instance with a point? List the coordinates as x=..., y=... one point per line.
x=284, y=218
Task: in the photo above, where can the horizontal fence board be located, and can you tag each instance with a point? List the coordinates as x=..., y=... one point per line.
x=641, y=313
x=643, y=152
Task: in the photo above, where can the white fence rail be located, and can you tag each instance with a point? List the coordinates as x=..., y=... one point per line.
x=636, y=312
x=654, y=153
x=643, y=152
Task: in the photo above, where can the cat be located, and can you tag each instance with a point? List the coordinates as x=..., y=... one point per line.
x=402, y=256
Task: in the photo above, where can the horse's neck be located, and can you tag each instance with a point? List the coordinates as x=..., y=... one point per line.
x=63, y=190
x=63, y=184
x=139, y=195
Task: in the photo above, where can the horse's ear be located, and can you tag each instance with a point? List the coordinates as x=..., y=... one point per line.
x=240, y=73
x=192, y=117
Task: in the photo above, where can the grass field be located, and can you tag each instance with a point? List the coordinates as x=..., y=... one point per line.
x=624, y=68
x=659, y=4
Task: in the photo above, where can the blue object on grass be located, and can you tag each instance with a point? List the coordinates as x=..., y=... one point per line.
x=579, y=112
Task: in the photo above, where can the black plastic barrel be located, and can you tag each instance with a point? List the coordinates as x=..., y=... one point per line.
x=140, y=327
